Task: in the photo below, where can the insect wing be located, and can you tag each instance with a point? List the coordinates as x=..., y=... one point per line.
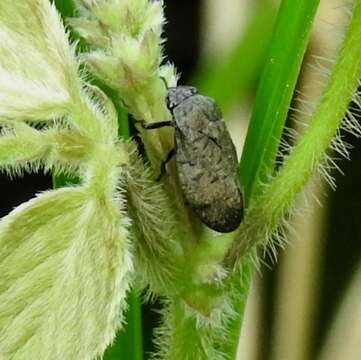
x=207, y=164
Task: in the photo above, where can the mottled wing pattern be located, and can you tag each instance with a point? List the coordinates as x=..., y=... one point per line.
x=207, y=164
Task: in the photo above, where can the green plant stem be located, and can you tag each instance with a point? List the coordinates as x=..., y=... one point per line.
x=239, y=284
x=268, y=210
x=65, y=7
x=283, y=63
x=122, y=122
x=128, y=343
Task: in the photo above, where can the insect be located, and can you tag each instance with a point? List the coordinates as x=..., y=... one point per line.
x=205, y=158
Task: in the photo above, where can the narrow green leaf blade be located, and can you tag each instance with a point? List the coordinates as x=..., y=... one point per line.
x=283, y=63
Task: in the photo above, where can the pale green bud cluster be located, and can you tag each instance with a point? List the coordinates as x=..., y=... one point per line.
x=125, y=38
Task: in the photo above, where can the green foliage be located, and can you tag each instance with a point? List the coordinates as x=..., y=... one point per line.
x=68, y=256
x=56, y=241
x=65, y=255
x=310, y=152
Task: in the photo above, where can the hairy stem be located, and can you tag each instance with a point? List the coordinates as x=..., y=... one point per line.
x=268, y=210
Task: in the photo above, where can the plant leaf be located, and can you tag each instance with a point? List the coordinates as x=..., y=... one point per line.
x=44, y=71
x=274, y=94
x=64, y=267
x=21, y=148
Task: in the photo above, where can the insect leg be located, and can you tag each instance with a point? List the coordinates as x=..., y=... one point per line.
x=157, y=125
x=166, y=159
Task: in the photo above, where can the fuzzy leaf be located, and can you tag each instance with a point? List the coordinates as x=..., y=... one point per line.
x=21, y=148
x=90, y=31
x=25, y=149
x=25, y=99
x=38, y=69
x=36, y=26
x=64, y=267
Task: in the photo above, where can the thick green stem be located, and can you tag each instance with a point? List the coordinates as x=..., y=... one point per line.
x=239, y=284
x=268, y=210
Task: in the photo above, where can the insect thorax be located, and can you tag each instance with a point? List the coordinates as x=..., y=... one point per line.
x=176, y=95
x=196, y=112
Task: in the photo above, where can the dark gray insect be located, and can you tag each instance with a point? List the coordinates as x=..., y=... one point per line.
x=205, y=157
